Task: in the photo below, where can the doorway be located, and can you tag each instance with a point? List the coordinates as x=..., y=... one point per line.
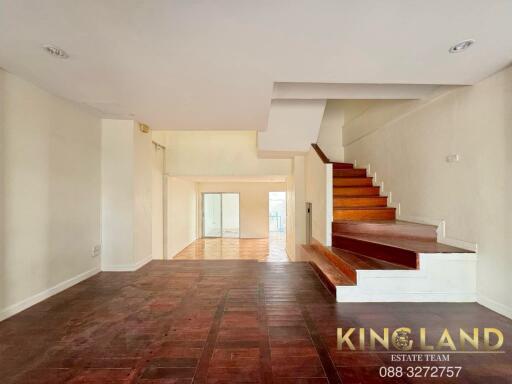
x=221, y=214
x=277, y=212
x=277, y=222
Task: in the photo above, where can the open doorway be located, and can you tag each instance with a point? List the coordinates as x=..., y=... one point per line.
x=221, y=214
x=276, y=222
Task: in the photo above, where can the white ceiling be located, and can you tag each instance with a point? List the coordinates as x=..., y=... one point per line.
x=206, y=64
x=233, y=179
x=336, y=91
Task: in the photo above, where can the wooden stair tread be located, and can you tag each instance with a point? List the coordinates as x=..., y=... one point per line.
x=356, y=191
x=342, y=165
x=387, y=228
x=362, y=262
x=397, y=222
x=362, y=208
x=413, y=245
x=330, y=275
x=349, y=172
x=358, y=196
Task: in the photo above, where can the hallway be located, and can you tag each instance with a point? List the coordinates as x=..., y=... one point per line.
x=218, y=322
x=271, y=249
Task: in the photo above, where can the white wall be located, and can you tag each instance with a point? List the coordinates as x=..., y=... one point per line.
x=157, y=203
x=296, y=207
x=292, y=126
x=181, y=214
x=142, y=193
x=253, y=204
x=117, y=193
x=126, y=195
x=473, y=195
x=290, y=217
x=49, y=194
x=329, y=137
x=318, y=191
x=219, y=153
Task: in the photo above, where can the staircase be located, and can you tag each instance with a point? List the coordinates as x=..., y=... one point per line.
x=375, y=257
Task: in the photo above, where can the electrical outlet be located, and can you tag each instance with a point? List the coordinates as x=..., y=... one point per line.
x=455, y=158
x=96, y=250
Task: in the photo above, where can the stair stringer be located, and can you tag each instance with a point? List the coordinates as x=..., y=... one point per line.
x=441, y=277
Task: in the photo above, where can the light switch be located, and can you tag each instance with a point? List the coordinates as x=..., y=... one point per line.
x=96, y=251
x=452, y=158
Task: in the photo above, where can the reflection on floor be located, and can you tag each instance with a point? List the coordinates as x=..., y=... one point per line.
x=224, y=321
x=271, y=249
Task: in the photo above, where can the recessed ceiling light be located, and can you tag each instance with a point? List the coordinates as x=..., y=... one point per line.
x=463, y=45
x=56, y=51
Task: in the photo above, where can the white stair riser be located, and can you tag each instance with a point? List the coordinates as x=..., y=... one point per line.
x=440, y=278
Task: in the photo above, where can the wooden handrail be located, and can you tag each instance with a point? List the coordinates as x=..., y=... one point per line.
x=321, y=154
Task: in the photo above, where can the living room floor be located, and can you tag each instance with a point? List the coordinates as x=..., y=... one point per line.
x=222, y=321
x=270, y=249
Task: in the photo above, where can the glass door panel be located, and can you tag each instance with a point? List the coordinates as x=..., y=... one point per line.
x=212, y=219
x=230, y=215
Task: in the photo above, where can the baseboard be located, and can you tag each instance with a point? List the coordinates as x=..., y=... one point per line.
x=441, y=232
x=126, y=267
x=493, y=305
x=182, y=249
x=38, y=297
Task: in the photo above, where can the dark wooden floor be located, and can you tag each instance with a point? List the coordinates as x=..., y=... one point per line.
x=219, y=322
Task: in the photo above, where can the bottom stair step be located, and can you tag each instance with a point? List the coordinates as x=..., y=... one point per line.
x=330, y=276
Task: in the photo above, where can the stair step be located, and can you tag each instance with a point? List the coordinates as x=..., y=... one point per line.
x=351, y=172
x=396, y=229
x=360, y=201
x=342, y=166
x=376, y=250
x=347, y=263
x=352, y=181
x=398, y=251
x=328, y=273
x=356, y=191
x=364, y=213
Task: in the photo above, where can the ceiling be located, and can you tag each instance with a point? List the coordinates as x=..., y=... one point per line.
x=206, y=64
x=234, y=179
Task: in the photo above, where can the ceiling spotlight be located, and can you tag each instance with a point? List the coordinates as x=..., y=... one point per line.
x=463, y=45
x=56, y=51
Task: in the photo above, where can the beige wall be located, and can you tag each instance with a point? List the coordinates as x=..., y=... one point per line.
x=126, y=195
x=49, y=194
x=181, y=214
x=219, y=153
x=290, y=217
x=296, y=207
x=117, y=192
x=253, y=204
x=472, y=196
x=318, y=191
x=142, y=194
x=157, y=203
x=329, y=137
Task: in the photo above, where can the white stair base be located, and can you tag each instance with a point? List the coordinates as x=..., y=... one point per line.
x=441, y=277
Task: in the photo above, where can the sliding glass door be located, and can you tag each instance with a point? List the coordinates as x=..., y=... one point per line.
x=212, y=219
x=221, y=214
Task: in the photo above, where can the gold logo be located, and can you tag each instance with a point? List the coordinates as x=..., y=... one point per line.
x=401, y=339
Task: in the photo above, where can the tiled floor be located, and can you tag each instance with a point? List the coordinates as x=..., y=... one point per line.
x=266, y=249
x=236, y=321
